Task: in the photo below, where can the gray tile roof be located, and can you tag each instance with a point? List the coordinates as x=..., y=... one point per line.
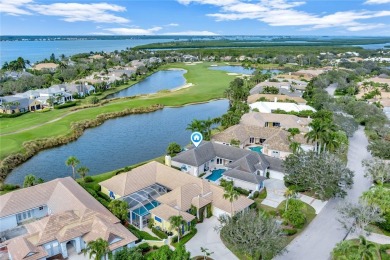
x=247, y=160
x=275, y=164
x=244, y=176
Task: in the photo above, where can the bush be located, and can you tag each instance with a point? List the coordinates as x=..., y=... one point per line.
x=96, y=187
x=267, y=174
x=46, y=109
x=159, y=233
x=93, y=100
x=67, y=104
x=386, y=223
x=104, y=196
x=174, y=239
x=12, y=115
x=141, y=234
x=290, y=232
x=145, y=247
x=88, y=179
x=209, y=211
x=256, y=194
x=155, y=247
x=186, y=238
x=103, y=201
x=9, y=187
x=242, y=191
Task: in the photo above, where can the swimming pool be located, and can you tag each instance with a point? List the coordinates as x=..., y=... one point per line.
x=142, y=211
x=257, y=149
x=215, y=175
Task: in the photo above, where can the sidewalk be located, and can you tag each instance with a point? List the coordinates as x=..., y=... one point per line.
x=318, y=205
x=373, y=237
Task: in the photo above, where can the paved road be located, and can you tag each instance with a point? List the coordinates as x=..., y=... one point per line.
x=320, y=237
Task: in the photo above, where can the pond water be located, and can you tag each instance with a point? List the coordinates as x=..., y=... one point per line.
x=240, y=69
x=164, y=79
x=120, y=142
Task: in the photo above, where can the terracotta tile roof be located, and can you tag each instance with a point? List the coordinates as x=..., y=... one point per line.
x=165, y=212
x=22, y=248
x=73, y=213
x=221, y=203
x=286, y=121
x=270, y=97
x=243, y=133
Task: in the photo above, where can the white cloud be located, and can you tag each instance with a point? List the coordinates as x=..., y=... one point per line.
x=373, y=2
x=282, y=13
x=197, y=33
x=173, y=24
x=14, y=7
x=133, y=31
x=76, y=12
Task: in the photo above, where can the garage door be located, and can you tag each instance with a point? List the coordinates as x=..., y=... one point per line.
x=218, y=212
x=276, y=175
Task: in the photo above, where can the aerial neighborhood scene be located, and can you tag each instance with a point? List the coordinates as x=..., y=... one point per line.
x=195, y=129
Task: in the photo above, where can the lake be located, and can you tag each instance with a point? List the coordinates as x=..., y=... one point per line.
x=164, y=79
x=240, y=69
x=120, y=142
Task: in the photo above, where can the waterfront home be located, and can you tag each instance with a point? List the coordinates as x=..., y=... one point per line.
x=276, y=98
x=245, y=168
x=56, y=93
x=156, y=191
x=274, y=142
x=52, y=219
x=284, y=88
x=282, y=121
x=46, y=66
x=12, y=104
x=80, y=89
x=269, y=107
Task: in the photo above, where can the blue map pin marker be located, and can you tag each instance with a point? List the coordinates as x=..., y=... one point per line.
x=196, y=138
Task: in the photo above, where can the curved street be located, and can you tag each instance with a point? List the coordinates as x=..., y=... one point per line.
x=324, y=232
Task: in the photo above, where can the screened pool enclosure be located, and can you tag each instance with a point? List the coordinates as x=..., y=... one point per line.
x=141, y=202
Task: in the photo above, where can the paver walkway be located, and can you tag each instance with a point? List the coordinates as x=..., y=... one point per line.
x=318, y=205
x=207, y=237
x=373, y=237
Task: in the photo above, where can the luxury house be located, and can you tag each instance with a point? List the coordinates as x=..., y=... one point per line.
x=269, y=107
x=12, y=105
x=53, y=218
x=274, y=142
x=56, y=93
x=282, y=121
x=156, y=191
x=275, y=97
x=247, y=169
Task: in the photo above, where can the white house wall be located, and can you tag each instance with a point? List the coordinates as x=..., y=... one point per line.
x=243, y=184
x=8, y=223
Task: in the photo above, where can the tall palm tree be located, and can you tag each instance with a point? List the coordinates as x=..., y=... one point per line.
x=295, y=147
x=83, y=171
x=72, y=161
x=319, y=132
x=98, y=248
x=230, y=194
x=176, y=223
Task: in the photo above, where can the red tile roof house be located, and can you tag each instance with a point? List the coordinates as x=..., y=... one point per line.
x=56, y=218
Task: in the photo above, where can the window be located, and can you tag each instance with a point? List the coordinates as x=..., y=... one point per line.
x=41, y=208
x=219, y=161
x=157, y=219
x=251, y=140
x=276, y=124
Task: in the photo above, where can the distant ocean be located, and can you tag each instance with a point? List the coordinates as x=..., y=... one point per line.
x=39, y=50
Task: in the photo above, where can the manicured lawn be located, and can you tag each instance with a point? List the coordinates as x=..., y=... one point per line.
x=208, y=85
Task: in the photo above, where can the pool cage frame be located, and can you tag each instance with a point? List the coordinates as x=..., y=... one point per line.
x=138, y=212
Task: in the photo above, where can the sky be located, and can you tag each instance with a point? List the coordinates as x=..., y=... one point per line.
x=195, y=17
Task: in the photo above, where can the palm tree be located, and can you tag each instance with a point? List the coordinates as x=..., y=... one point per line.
x=230, y=194
x=319, y=132
x=195, y=126
x=29, y=180
x=83, y=171
x=295, y=147
x=72, y=161
x=176, y=223
x=367, y=250
x=289, y=193
x=98, y=248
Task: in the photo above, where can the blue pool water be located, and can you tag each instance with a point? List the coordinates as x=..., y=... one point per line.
x=257, y=149
x=215, y=175
x=142, y=211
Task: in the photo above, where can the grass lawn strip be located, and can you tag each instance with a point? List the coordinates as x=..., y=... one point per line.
x=208, y=85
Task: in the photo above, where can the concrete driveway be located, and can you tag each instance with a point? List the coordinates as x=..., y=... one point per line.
x=320, y=237
x=275, y=192
x=207, y=237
